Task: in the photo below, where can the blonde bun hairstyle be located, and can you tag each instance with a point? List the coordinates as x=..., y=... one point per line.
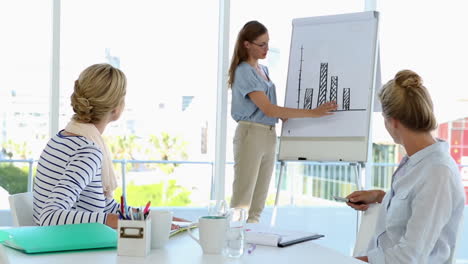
x=100, y=89
x=406, y=99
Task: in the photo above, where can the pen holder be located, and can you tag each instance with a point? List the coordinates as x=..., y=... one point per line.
x=134, y=238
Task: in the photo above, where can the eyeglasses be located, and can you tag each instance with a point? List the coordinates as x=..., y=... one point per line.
x=262, y=45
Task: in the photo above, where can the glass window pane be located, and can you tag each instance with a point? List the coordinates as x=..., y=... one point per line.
x=169, y=55
x=24, y=88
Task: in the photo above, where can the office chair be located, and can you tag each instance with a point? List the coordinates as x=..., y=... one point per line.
x=21, y=206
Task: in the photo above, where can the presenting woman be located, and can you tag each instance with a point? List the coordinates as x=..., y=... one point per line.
x=255, y=110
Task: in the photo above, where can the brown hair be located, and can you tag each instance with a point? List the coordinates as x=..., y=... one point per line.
x=407, y=100
x=251, y=31
x=100, y=89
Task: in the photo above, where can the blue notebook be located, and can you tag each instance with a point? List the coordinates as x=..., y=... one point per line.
x=37, y=239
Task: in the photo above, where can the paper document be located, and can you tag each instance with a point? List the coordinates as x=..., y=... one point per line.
x=183, y=226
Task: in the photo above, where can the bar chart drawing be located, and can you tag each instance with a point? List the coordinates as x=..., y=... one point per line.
x=324, y=91
x=331, y=59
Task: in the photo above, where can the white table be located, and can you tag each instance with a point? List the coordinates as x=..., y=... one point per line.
x=182, y=249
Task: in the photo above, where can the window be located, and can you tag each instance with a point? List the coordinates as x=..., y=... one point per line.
x=429, y=42
x=167, y=52
x=426, y=37
x=24, y=88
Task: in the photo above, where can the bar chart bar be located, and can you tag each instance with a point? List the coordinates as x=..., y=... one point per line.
x=322, y=93
x=334, y=88
x=309, y=95
x=346, y=98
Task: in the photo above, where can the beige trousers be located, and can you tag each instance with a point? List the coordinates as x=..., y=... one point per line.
x=254, y=160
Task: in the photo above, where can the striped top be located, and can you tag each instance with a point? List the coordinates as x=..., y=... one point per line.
x=68, y=187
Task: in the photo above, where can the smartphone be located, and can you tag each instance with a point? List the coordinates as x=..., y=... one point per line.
x=341, y=199
x=345, y=200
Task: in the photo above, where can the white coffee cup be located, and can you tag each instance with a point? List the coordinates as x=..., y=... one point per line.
x=212, y=230
x=160, y=227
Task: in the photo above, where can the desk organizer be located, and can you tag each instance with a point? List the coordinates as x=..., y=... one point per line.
x=134, y=238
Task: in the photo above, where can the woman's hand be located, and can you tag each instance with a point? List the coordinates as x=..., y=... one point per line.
x=112, y=220
x=363, y=258
x=360, y=200
x=325, y=109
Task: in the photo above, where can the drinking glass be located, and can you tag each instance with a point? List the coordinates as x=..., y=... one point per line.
x=235, y=232
x=217, y=208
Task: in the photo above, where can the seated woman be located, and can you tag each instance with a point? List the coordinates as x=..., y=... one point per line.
x=75, y=180
x=420, y=214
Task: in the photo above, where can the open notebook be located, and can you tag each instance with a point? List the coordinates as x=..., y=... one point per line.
x=274, y=237
x=36, y=239
x=183, y=226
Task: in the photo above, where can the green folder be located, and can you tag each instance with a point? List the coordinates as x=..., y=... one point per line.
x=36, y=239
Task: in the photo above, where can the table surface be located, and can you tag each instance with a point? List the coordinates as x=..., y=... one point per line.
x=182, y=249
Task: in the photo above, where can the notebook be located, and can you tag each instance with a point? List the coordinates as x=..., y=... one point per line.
x=36, y=239
x=275, y=237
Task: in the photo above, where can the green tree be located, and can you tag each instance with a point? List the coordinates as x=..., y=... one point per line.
x=13, y=179
x=124, y=147
x=16, y=150
x=167, y=147
x=160, y=194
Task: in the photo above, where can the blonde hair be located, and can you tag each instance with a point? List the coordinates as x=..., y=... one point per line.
x=407, y=100
x=251, y=31
x=100, y=89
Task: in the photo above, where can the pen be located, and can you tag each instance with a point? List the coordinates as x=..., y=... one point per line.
x=122, y=205
x=147, y=207
x=120, y=215
x=251, y=248
x=129, y=215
